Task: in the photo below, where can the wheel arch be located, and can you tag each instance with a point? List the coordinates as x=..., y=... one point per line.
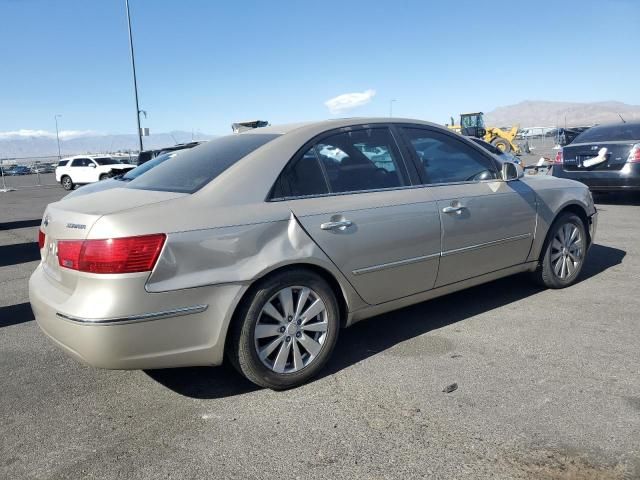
x=578, y=210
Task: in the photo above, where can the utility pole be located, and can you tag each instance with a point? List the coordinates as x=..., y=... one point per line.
x=391, y=107
x=57, y=134
x=135, y=82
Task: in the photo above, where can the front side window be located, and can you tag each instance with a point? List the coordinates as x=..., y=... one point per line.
x=444, y=159
x=106, y=161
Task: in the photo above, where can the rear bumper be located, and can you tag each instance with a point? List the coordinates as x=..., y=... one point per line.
x=627, y=178
x=171, y=329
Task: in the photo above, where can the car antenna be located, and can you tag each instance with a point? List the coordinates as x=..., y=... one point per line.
x=623, y=120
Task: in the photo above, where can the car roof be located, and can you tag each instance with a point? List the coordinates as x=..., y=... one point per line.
x=322, y=125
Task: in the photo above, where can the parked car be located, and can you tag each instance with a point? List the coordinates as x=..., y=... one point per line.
x=83, y=169
x=17, y=170
x=564, y=136
x=42, y=168
x=146, y=155
x=121, y=179
x=604, y=157
x=260, y=247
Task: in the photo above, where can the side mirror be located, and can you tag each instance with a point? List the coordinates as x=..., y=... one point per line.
x=92, y=165
x=511, y=171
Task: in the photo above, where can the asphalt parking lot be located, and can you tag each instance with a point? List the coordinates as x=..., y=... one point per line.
x=548, y=386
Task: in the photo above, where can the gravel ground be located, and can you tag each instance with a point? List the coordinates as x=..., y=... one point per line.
x=548, y=386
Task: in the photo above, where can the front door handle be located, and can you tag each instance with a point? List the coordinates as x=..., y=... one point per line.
x=340, y=225
x=452, y=209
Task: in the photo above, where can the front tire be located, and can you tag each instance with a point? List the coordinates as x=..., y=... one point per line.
x=501, y=144
x=66, y=182
x=564, y=254
x=285, y=330
x=104, y=176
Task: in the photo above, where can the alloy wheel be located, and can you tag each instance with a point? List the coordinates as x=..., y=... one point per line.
x=566, y=251
x=291, y=329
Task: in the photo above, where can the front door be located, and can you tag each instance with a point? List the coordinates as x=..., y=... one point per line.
x=487, y=223
x=350, y=193
x=82, y=170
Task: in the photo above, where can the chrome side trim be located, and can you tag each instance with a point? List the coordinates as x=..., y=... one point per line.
x=384, y=266
x=486, y=244
x=142, y=317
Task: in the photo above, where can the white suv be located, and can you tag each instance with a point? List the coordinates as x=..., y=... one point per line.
x=83, y=169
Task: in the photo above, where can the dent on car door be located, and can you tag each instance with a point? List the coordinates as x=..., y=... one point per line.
x=349, y=197
x=487, y=223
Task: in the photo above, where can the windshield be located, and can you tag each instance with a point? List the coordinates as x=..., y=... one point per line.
x=136, y=172
x=194, y=168
x=610, y=133
x=106, y=161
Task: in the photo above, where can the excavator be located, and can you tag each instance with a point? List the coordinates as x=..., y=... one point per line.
x=472, y=125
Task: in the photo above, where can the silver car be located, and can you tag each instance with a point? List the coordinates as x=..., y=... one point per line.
x=261, y=246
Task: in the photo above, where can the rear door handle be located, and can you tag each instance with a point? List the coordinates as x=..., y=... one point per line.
x=341, y=225
x=452, y=209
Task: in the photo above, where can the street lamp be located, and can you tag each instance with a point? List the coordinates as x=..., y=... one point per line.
x=391, y=107
x=135, y=83
x=58, y=134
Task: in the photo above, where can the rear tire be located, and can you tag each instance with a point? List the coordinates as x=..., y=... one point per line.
x=501, y=144
x=272, y=342
x=565, y=249
x=66, y=182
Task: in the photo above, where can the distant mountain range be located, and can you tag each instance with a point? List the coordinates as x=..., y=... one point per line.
x=543, y=114
x=45, y=145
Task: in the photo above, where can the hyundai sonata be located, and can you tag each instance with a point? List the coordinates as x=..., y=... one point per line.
x=260, y=246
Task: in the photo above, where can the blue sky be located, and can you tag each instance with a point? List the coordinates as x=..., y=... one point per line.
x=204, y=64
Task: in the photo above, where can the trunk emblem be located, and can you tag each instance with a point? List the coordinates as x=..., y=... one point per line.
x=77, y=226
x=595, y=147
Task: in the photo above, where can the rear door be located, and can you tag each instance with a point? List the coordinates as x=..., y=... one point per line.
x=81, y=170
x=487, y=223
x=350, y=191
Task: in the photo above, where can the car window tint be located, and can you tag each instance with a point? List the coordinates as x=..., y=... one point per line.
x=196, y=167
x=81, y=162
x=611, y=133
x=359, y=160
x=305, y=177
x=444, y=159
x=62, y=163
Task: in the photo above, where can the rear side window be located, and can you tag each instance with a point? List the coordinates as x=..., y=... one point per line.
x=610, y=133
x=443, y=159
x=62, y=163
x=194, y=168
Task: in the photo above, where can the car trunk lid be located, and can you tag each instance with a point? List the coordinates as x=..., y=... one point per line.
x=616, y=155
x=73, y=219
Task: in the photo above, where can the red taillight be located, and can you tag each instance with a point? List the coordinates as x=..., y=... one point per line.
x=112, y=255
x=558, y=160
x=41, y=237
x=634, y=154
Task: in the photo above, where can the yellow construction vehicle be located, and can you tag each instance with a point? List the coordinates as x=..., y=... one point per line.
x=472, y=125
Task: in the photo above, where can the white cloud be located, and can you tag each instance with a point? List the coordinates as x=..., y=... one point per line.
x=26, y=133
x=347, y=101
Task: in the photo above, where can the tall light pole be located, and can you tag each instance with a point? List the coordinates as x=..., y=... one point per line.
x=135, y=82
x=391, y=107
x=57, y=134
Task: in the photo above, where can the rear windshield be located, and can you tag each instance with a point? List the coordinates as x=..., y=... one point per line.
x=610, y=133
x=194, y=168
x=106, y=161
x=62, y=163
x=136, y=172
